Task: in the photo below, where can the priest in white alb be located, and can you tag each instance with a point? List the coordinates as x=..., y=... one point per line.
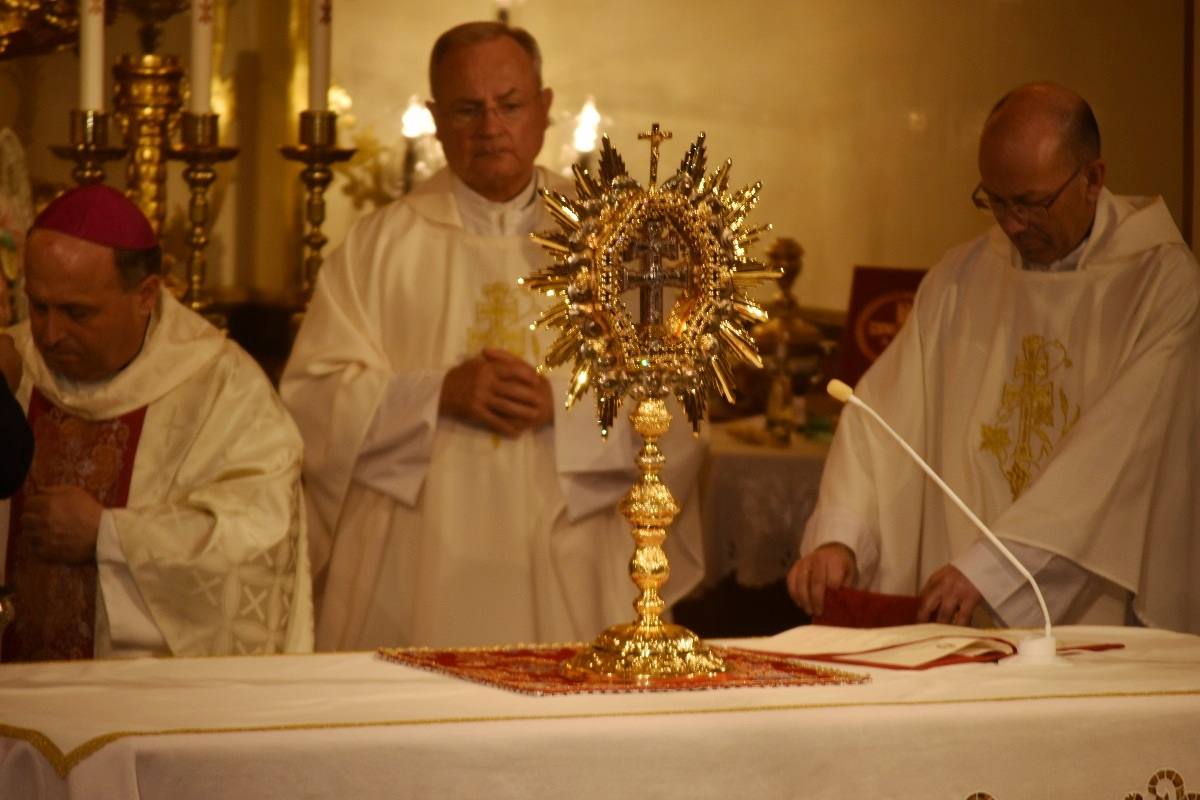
x=454, y=501
x=1048, y=372
x=162, y=514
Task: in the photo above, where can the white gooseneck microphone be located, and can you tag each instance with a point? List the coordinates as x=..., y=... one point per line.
x=1041, y=649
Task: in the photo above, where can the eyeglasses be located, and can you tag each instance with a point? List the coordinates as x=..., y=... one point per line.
x=466, y=115
x=1021, y=210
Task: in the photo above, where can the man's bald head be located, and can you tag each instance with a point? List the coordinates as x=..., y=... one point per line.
x=1052, y=112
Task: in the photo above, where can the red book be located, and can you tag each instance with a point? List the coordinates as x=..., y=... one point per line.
x=852, y=608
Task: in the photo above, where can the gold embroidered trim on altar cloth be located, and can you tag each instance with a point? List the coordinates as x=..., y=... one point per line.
x=1035, y=413
x=1166, y=779
x=64, y=762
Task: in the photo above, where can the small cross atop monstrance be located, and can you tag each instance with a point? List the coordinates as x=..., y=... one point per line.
x=685, y=239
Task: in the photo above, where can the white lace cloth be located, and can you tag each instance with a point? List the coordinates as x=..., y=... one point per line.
x=756, y=499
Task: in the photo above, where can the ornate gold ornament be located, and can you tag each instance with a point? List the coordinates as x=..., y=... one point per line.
x=689, y=237
x=1165, y=784
x=33, y=27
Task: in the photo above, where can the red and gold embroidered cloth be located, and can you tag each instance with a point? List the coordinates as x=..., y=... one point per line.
x=537, y=670
x=56, y=603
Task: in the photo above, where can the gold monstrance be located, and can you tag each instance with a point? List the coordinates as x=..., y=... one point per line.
x=686, y=237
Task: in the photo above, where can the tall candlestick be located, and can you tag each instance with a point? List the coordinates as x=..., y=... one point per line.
x=91, y=55
x=202, y=39
x=321, y=18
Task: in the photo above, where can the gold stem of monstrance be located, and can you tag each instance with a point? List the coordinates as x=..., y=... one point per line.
x=686, y=236
x=649, y=648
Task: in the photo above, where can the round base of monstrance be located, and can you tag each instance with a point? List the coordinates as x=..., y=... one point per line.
x=631, y=653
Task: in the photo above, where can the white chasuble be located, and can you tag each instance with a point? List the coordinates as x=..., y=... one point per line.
x=209, y=555
x=430, y=531
x=1061, y=406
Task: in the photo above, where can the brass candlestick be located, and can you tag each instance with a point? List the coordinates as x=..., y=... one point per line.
x=317, y=151
x=200, y=151
x=89, y=147
x=687, y=236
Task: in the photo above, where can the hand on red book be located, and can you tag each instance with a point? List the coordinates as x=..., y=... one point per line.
x=852, y=608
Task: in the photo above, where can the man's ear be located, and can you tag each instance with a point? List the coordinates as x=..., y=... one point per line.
x=547, y=101
x=147, y=293
x=1095, y=178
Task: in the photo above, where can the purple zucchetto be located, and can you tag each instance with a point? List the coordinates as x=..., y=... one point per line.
x=98, y=214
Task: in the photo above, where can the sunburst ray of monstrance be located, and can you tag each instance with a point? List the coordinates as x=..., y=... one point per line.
x=687, y=237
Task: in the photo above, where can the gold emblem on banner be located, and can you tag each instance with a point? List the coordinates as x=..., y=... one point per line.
x=1035, y=413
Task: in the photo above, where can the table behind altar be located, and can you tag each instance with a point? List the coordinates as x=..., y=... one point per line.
x=353, y=725
x=756, y=498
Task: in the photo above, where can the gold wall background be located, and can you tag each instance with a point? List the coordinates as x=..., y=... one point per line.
x=859, y=116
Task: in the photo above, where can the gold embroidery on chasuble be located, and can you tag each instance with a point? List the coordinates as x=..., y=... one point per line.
x=1035, y=413
x=56, y=603
x=503, y=314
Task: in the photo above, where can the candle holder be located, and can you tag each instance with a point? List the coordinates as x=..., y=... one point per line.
x=317, y=151
x=410, y=163
x=199, y=149
x=89, y=147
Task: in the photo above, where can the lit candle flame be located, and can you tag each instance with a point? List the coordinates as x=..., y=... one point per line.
x=587, y=127
x=340, y=101
x=417, y=121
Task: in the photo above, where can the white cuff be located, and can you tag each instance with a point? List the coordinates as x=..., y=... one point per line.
x=839, y=525
x=1005, y=589
x=130, y=624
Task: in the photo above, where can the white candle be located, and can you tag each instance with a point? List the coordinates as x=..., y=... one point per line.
x=91, y=55
x=202, y=39
x=320, y=24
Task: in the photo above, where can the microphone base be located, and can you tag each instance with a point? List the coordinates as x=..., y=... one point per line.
x=1037, y=651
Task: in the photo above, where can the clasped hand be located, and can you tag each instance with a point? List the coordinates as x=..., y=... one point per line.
x=498, y=390
x=62, y=522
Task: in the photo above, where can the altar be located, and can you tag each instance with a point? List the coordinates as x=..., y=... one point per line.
x=1110, y=725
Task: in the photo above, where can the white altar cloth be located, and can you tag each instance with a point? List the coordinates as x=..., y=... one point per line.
x=351, y=725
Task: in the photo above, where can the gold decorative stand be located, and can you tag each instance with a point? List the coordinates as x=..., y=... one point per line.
x=200, y=151
x=317, y=151
x=147, y=98
x=89, y=147
x=649, y=648
x=688, y=237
